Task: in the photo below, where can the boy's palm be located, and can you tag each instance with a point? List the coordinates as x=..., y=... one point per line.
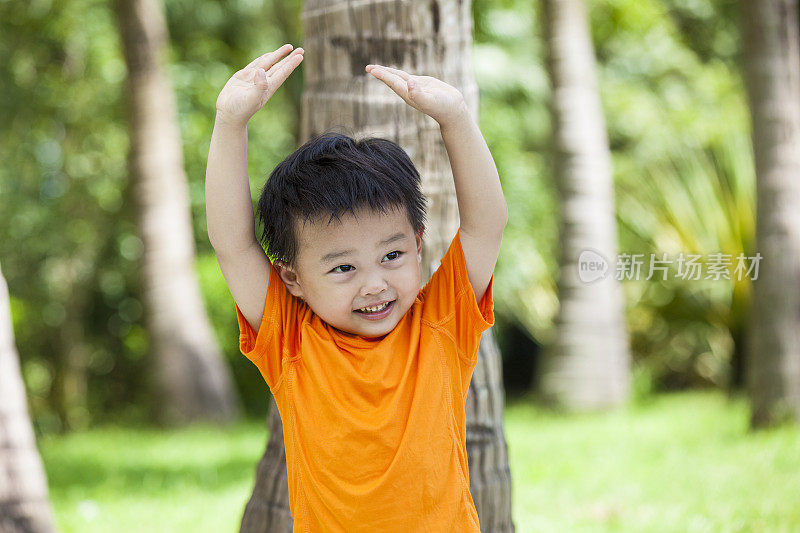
x=250, y=88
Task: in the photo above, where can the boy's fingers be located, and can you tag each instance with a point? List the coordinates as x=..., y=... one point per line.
x=255, y=63
x=291, y=58
x=403, y=74
x=269, y=58
x=395, y=82
x=278, y=73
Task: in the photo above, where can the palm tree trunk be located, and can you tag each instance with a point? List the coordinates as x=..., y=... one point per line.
x=587, y=367
x=24, y=504
x=772, y=75
x=190, y=379
x=424, y=38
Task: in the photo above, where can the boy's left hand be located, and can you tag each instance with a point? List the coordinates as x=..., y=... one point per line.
x=442, y=102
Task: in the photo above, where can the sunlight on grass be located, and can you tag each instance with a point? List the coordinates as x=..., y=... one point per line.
x=681, y=462
x=129, y=480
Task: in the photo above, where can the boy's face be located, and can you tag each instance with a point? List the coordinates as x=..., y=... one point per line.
x=370, y=272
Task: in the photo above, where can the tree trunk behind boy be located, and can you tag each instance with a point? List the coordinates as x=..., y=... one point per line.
x=190, y=378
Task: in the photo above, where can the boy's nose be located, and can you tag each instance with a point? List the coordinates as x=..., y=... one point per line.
x=374, y=286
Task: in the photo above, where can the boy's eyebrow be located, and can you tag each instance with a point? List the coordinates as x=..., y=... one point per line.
x=341, y=253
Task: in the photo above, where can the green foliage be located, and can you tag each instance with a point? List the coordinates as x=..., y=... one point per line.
x=67, y=238
x=679, y=130
x=69, y=244
x=698, y=202
x=679, y=133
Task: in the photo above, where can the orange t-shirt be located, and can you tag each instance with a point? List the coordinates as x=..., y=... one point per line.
x=375, y=431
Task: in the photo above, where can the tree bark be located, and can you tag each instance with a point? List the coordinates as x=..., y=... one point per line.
x=772, y=76
x=588, y=364
x=24, y=503
x=426, y=38
x=189, y=380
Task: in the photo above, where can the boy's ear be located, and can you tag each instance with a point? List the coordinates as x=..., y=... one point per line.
x=289, y=278
x=419, y=247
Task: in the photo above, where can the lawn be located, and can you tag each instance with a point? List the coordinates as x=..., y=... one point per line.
x=681, y=462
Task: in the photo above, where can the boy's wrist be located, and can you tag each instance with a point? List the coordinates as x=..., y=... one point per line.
x=224, y=121
x=457, y=119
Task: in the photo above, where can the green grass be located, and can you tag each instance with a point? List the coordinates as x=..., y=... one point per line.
x=132, y=480
x=682, y=462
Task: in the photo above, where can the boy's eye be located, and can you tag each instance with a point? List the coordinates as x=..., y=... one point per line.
x=394, y=255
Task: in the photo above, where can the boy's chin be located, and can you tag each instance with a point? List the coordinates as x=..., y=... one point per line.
x=377, y=330
x=364, y=331
x=369, y=335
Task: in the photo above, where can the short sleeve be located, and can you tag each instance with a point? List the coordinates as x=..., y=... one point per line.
x=278, y=335
x=448, y=300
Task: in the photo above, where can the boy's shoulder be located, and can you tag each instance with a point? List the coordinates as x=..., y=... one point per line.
x=448, y=297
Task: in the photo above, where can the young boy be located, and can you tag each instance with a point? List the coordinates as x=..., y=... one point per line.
x=370, y=373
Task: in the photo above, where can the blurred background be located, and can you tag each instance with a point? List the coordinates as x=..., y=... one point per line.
x=669, y=448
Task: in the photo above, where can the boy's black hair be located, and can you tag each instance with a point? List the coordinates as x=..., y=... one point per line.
x=329, y=175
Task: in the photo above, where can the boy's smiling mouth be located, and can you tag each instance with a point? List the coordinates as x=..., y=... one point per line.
x=376, y=312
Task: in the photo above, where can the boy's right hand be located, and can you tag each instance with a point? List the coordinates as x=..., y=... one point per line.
x=249, y=89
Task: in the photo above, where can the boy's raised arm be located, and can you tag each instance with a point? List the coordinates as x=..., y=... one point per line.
x=229, y=208
x=482, y=207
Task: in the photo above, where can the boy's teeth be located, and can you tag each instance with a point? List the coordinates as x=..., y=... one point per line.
x=374, y=309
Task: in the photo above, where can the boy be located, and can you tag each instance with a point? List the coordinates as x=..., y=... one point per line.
x=370, y=373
